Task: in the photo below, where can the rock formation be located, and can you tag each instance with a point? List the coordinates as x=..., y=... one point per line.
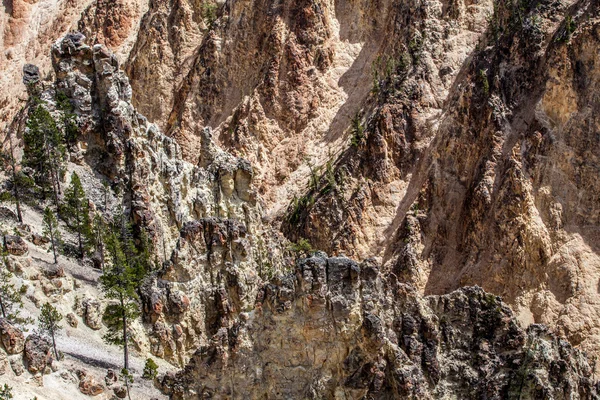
x=451, y=148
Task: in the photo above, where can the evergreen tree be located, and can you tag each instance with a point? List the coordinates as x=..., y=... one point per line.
x=68, y=118
x=98, y=231
x=127, y=379
x=150, y=369
x=10, y=297
x=51, y=230
x=6, y=392
x=77, y=214
x=119, y=282
x=49, y=323
x=18, y=182
x=44, y=150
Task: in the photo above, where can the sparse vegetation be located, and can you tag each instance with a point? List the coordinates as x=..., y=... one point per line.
x=150, y=369
x=209, y=13
x=302, y=247
x=10, y=297
x=44, y=150
x=330, y=181
x=6, y=392
x=127, y=379
x=68, y=118
x=568, y=30
x=485, y=84
x=49, y=324
x=415, y=47
x=388, y=72
x=123, y=273
x=18, y=183
x=51, y=230
x=358, y=131
x=76, y=213
x=298, y=206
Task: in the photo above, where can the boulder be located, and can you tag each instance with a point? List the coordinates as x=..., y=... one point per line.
x=54, y=271
x=15, y=245
x=31, y=74
x=38, y=353
x=72, y=320
x=179, y=302
x=120, y=392
x=87, y=384
x=39, y=240
x=12, y=338
x=111, y=377
x=92, y=313
x=17, y=366
x=6, y=214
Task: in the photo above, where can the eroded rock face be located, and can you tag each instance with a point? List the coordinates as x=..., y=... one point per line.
x=472, y=161
x=204, y=219
x=91, y=311
x=496, y=188
x=209, y=279
x=339, y=329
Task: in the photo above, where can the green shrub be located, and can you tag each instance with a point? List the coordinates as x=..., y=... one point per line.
x=302, y=246
x=150, y=369
x=484, y=82
x=209, y=13
x=6, y=392
x=358, y=131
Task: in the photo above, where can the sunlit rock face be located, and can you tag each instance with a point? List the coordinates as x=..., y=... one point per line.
x=448, y=144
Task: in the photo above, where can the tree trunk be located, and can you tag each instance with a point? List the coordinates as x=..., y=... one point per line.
x=53, y=243
x=53, y=178
x=125, y=348
x=54, y=344
x=15, y=184
x=2, y=307
x=79, y=233
x=127, y=386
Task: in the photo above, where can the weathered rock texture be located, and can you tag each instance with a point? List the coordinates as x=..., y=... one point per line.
x=456, y=142
x=498, y=189
x=337, y=329
x=204, y=219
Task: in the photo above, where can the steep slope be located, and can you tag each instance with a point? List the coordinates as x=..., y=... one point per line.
x=504, y=194
x=455, y=142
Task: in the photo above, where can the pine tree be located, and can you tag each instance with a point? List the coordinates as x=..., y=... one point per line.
x=51, y=230
x=68, y=118
x=119, y=283
x=18, y=182
x=44, y=150
x=10, y=297
x=150, y=369
x=49, y=323
x=127, y=379
x=77, y=214
x=6, y=392
x=98, y=232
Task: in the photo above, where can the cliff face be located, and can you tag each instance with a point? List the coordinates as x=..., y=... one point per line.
x=503, y=193
x=449, y=143
x=340, y=330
